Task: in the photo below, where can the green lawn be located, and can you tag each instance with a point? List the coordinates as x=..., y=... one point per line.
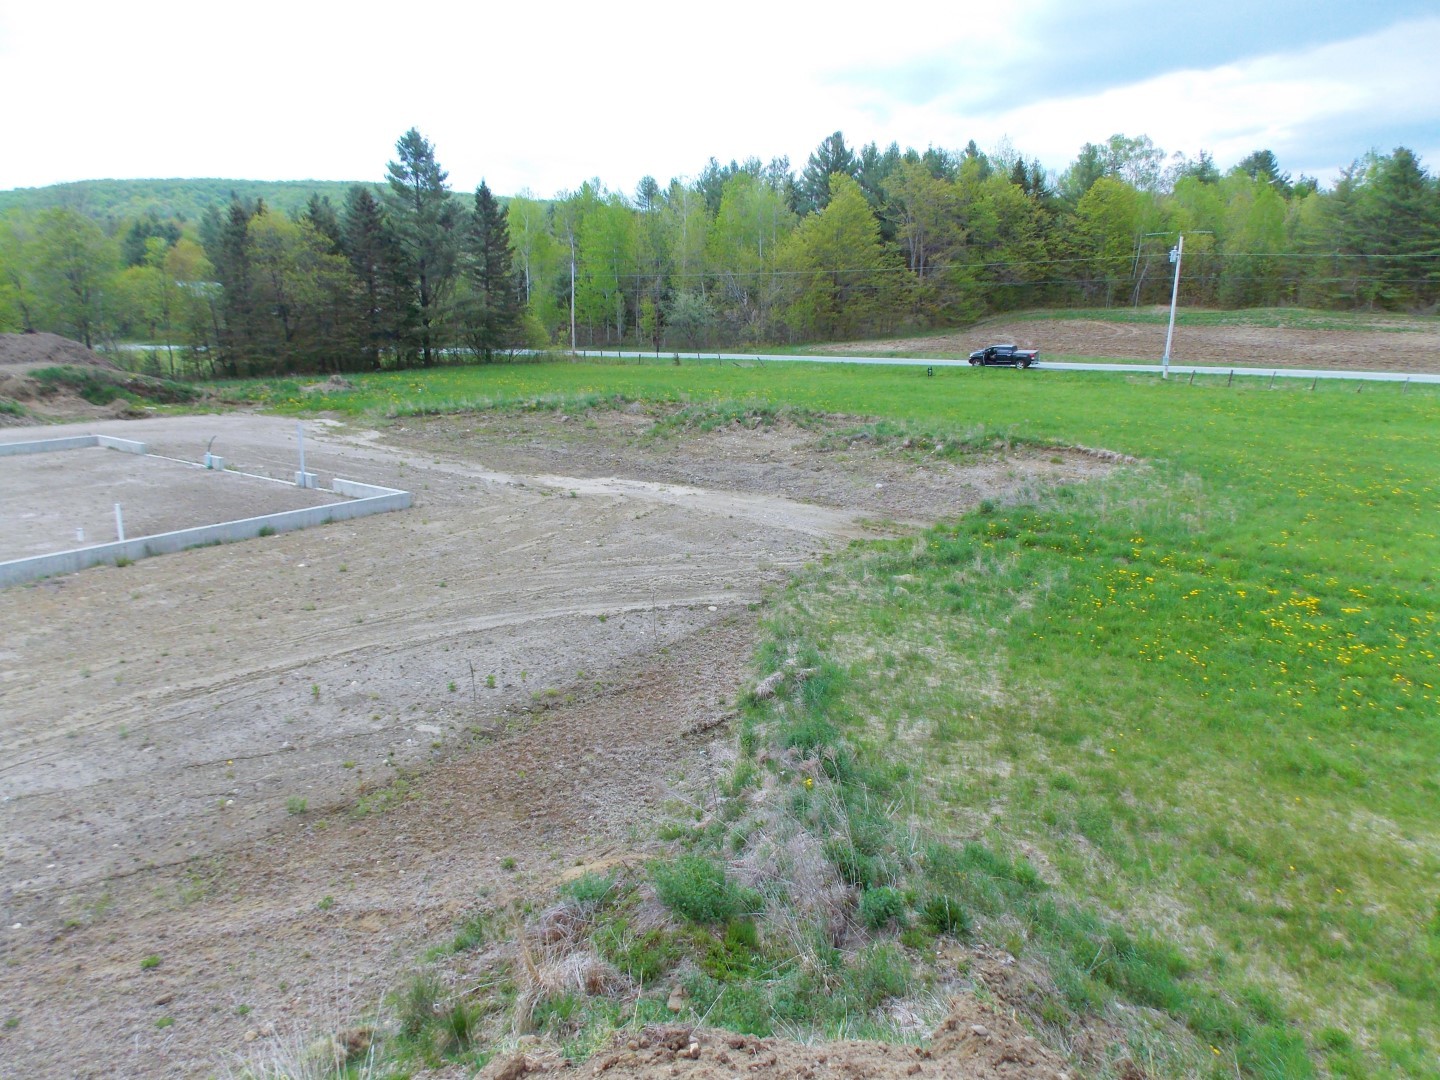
x=1200, y=693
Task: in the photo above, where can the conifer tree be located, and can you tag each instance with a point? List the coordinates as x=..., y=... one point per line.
x=492, y=304
x=425, y=222
x=385, y=312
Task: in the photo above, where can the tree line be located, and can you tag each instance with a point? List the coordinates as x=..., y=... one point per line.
x=859, y=242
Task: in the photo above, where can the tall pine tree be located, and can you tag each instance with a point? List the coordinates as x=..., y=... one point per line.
x=385, y=314
x=491, y=309
x=425, y=222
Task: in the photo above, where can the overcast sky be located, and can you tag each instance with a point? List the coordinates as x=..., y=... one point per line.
x=545, y=95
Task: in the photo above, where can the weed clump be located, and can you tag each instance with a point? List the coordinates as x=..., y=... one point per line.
x=697, y=888
x=879, y=906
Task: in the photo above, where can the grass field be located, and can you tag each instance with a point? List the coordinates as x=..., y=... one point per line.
x=1201, y=695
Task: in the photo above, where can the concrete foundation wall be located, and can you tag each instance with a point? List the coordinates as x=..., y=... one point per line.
x=353, y=489
x=125, y=446
x=64, y=562
x=71, y=442
x=45, y=446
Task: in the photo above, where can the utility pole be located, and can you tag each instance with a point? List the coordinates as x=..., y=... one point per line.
x=1175, y=255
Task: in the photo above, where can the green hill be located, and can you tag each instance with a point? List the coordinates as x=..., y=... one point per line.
x=111, y=201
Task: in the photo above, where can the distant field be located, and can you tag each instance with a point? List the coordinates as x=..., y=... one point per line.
x=1268, y=318
x=1263, y=338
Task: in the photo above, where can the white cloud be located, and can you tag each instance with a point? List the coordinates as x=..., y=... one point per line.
x=1294, y=104
x=547, y=96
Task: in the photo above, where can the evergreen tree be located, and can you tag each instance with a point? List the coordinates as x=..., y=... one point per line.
x=425, y=222
x=321, y=216
x=1202, y=170
x=1263, y=164
x=382, y=287
x=133, y=250
x=228, y=249
x=492, y=304
x=1399, y=218
x=832, y=157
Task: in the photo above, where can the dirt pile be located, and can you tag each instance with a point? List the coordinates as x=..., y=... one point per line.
x=46, y=377
x=25, y=352
x=975, y=1042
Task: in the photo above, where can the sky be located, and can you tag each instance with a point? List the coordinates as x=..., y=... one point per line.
x=543, y=96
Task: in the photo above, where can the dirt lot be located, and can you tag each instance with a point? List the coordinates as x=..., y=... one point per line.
x=1417, y=349
x=279, y=767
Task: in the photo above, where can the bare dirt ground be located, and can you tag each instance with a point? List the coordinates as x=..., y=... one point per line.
x=242, y=786
x=1417, y=349
x=976, y=1041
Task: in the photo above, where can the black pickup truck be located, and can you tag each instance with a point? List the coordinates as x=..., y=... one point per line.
x=1004, y=356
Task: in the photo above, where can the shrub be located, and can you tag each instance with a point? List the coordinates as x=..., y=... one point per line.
x=856, y=866
x=644, y=957
x=944, y=915
x=878, y=906
x=590, y=889
x=697, y=889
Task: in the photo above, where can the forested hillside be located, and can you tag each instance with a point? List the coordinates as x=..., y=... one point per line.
x=874, y=241
x=114, y=203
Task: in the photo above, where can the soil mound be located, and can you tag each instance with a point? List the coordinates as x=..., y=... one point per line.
x=24, y=352
x=976, y=1042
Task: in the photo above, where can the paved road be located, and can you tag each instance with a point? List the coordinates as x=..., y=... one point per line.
x=1048, y=365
